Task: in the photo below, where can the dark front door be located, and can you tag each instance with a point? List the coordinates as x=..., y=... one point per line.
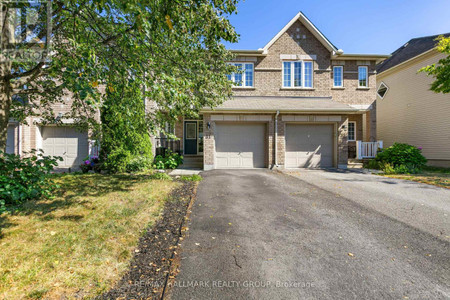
x=190, y=137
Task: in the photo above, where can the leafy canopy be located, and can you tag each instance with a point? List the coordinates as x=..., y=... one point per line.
x=172, y=47
x=440, y=71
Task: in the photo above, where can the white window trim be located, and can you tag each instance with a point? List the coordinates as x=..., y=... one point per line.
x=243, y=75
x=367, y=77
x=342, y=76
x=387, y=89
x=354, y=126
x=302, y=87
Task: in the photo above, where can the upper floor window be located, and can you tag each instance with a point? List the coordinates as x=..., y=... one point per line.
x=298, y=74
x=244, y=76
x=363, y=80
x=338, y=72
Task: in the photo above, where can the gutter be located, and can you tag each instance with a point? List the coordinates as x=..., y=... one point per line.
x=259, y=52
x=271, y=111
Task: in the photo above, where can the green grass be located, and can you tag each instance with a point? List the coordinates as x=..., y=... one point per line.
x=80, y=242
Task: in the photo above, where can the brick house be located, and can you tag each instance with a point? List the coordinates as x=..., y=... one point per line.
x=298, y=102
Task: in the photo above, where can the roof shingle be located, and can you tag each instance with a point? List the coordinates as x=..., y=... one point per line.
x=283, y=104
x=409, y=50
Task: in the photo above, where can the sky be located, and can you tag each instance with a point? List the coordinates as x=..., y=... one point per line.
x=356, y=26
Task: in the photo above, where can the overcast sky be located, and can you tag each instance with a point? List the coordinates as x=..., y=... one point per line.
x=356, y=26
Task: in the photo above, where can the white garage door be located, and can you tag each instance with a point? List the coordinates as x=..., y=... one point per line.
x=10, y=139
x=309, y=146
x=66, y=142
x=240, y=145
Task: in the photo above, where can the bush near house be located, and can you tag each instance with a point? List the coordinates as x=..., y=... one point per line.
x=25, y=178
x=399, y=159
x=170, y=161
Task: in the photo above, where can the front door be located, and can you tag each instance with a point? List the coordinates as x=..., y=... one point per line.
x=190, y=137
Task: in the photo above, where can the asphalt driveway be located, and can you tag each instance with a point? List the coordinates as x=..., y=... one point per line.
x=257, y=234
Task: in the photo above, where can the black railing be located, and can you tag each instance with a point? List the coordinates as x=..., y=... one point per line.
x=163, y=144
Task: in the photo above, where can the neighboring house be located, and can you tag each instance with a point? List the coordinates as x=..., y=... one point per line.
x=64, y=141
x=299, y=102
x=407, y=111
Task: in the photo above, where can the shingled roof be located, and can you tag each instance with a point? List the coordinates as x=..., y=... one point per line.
x=283, y=104
x=409, y=50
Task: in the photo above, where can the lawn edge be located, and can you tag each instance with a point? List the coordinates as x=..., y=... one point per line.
x=151, y=264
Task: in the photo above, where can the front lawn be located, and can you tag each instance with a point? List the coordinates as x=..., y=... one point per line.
x=430, y=175
x=79, y=243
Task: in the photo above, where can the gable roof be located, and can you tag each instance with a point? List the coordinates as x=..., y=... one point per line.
x=310, y=26
x=411, y=49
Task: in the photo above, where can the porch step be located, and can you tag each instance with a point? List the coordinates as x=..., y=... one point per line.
x=355, y=164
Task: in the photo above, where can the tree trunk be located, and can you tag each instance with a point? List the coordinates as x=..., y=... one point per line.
x=5, y=105
x=7, y=38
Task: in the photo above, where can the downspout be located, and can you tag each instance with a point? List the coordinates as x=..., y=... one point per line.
x=276, y=138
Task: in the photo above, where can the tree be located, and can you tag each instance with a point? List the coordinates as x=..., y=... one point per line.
x=125, y=134
x=440, y=71
x=174, y=48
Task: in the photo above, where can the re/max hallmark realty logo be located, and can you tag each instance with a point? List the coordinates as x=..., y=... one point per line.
x=25, y=30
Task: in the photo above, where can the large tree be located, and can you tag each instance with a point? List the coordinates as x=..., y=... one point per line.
x=441, y=70
x=173, y=47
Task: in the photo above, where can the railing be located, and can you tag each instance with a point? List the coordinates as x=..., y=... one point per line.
x=163, y=144
x=367, y=149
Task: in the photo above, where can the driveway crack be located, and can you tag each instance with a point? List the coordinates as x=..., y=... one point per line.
x=236, y=262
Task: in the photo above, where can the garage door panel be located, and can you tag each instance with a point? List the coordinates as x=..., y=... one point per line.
x=309, y=146
x=66, y=142
x=240, y=145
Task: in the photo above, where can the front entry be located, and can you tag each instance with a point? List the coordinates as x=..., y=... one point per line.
x=190, y=137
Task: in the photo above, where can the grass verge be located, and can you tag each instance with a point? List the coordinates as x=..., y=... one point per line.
x=79, y=243
x=430, y=175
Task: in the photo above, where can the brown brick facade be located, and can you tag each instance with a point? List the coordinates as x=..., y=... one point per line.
x=341, y=149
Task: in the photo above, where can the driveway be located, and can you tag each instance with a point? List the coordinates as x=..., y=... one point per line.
x=258, y=234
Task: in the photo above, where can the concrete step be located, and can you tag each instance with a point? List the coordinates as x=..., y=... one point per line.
x=355, y=165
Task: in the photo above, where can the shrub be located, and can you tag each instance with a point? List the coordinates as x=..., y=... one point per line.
x=159, y=162
x=117, y=161
x=125, y=128
x=161, y=176
x=139, y=163
x=170, y=161
x=194, y=177
x=25, y=178
x=387, y=168
x=402, y=154
x=372, y=164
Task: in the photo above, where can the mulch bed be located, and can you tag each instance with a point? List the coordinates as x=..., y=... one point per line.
x=150, y=267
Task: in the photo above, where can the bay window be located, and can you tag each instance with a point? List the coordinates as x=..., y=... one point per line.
x=298, y=74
